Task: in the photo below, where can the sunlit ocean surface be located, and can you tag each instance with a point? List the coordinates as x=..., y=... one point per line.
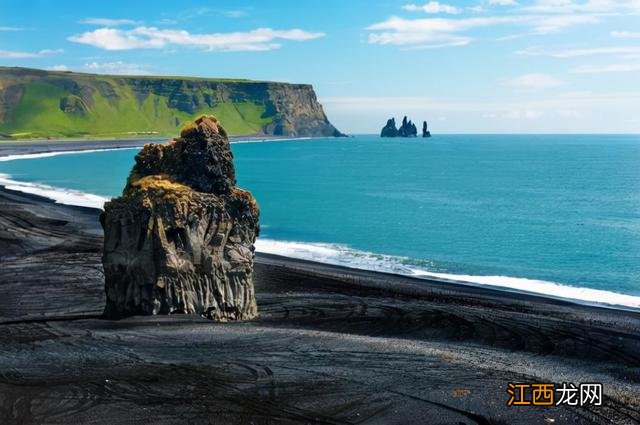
x=558, y=214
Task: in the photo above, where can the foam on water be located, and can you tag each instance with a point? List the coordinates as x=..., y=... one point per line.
x=75, y=152
x=342, y=255
x=50, y=154
x=59, y=195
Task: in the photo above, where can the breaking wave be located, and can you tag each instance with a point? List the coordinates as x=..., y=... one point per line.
x=59, y=195
x=344, y=256
x=50, y=154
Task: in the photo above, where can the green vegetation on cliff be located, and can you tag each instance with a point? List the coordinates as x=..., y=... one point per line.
x=37, y=104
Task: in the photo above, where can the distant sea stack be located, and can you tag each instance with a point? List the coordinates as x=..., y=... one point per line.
x=407, y=129
x=425, y=130
x=390, y=129
x=71, y=104
x=181, y=237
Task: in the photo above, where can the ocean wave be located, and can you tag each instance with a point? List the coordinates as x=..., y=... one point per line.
x=59, y=195
x=342, y=255
x=82, y=151
x=50, y=154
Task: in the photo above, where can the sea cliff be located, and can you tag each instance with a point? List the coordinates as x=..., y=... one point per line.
x=52, y=104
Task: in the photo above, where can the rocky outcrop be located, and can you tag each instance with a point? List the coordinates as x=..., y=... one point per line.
x=154, y=105
x=180, y=238
x=407, y=129
x=425, y=130
x=390, y=129
x=73, y=105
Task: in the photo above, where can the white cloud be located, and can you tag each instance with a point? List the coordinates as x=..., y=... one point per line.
x=118, y=68
x=596, y=51
x=14, y=54
x=625, y=34
x=154, y=38
x=532, y=51
x=477, y=9
x=441, y=32
x=601, y=69
x=573, y=53
x=534, y=82
x=523, y=114
x=432, y=7
x=208, y=11
x=539, y=17
x=570, y=113
x=565, y=112
x=107, y=22
x=11, y=29
x=578, y=101
x=503, y=3
x=58, y=68
x=589, y=6
x=433, y=32
x=510, y=37
x=552, y=24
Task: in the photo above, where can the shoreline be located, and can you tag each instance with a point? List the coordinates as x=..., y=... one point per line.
x=424, y=278
x=331, y=344
x=38, y=146
x=545, y=289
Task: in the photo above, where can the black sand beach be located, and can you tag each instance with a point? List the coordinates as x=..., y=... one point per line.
x=25, y=147
x=332, y=345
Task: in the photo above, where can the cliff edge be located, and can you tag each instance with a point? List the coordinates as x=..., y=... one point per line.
x=56, y=104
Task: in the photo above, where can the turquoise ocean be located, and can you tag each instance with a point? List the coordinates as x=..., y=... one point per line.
x=552, y=214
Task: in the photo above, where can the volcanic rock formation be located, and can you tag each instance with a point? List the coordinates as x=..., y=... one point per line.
x=390, y=129
x=180, y=238
x=425, y=130
x=407, y=129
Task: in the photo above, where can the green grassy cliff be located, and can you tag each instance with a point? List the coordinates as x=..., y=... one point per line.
x=40, y=104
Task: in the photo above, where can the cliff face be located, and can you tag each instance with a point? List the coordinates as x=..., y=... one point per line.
x=180, y=238
x=35, y=103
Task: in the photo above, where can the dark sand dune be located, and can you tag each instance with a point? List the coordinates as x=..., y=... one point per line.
x=332, y=345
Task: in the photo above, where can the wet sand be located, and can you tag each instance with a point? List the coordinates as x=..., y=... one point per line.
x=332, y=345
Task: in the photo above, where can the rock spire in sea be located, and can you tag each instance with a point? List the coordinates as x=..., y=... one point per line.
x=407, y=129
x=181, y=237
x=425, y=130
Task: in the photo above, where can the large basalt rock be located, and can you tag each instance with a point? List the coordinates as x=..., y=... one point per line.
x=389, y=130
x=180, y=238
x=425, y=130
x=407, y=129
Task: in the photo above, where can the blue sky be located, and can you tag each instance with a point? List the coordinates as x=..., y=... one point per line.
x=487, y=66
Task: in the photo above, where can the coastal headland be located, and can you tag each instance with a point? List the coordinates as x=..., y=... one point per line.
x=331, y=344
x=36, y=103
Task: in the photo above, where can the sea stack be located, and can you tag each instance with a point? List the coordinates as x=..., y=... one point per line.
x=181, y=237
x=425, y=130
x=390, y=129
x=407, y=129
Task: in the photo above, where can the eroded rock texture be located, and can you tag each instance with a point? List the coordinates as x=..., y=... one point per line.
x=180, y=238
